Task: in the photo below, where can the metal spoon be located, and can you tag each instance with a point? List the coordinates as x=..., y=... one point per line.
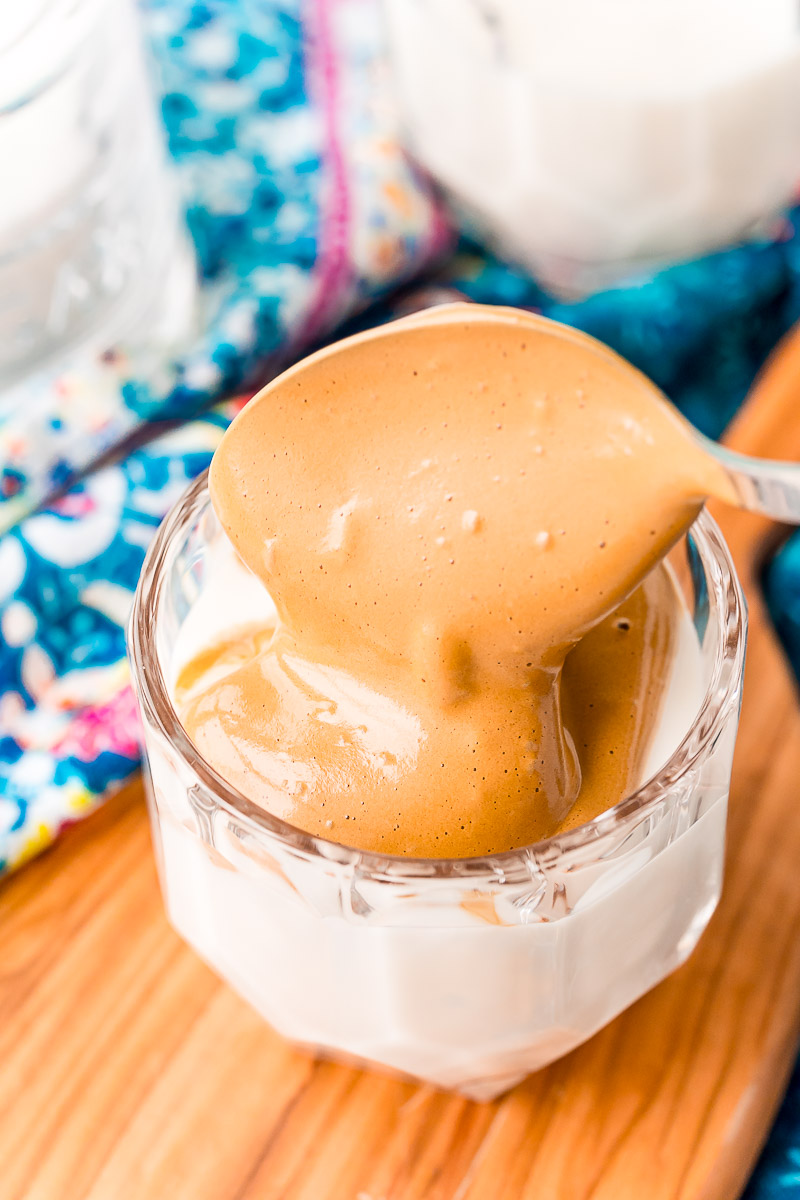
x=761, y=485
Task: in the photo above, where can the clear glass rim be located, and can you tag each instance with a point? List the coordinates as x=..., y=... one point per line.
x=727, y=610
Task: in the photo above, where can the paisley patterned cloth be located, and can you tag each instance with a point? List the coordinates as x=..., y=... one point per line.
x=777, y=1175
x=302, y=210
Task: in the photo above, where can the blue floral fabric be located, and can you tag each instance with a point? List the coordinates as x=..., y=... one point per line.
x=301, y=207
x=700, y=329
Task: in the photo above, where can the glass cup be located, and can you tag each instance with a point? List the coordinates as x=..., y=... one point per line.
x=92, y=245
x=592, y=141
x=464, y=973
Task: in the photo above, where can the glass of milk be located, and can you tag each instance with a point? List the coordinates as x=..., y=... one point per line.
x=92, y=246
x=592, y=139
x=464, y=973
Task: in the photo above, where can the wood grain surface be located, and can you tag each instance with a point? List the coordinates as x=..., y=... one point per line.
x=129, y=1072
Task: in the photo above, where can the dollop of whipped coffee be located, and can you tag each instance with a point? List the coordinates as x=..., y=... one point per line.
x=458, y=516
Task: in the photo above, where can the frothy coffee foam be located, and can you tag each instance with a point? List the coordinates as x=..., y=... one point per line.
x=442, y=508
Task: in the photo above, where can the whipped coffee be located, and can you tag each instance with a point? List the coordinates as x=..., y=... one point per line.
x=460, y=518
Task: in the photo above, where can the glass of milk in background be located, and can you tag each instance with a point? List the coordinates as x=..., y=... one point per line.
x=589, y=139
x=92, y=247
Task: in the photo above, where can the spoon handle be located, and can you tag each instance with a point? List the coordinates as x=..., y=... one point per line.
x=762, y=485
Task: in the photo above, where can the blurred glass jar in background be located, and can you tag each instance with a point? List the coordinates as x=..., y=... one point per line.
x=92, y=246
x=589, y=140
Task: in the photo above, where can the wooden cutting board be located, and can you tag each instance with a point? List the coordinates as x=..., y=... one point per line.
x=129, y=1072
